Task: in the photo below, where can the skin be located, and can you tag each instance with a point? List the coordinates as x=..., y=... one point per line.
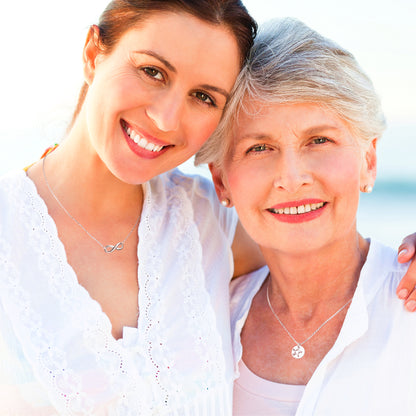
x=406, y=289
x=172, y=96
x=287, y=156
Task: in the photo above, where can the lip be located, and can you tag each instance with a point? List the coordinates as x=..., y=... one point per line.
x=138, y=150
x=298, y=218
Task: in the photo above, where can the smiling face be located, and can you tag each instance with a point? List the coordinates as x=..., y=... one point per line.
x=294, y=174
x=158, y=96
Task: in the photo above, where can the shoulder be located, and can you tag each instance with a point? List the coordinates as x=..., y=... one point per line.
x=378, y=282
x=382, y=265
x=12, y=187
x=196, y=186
x=11, y=179
x=199, y=193
x=243, y=289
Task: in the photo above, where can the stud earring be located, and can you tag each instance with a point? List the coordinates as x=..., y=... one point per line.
x=225, y=202
x=367, y=189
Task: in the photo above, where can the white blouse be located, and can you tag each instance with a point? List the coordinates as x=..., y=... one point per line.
x=371, y=368
x=57, y=352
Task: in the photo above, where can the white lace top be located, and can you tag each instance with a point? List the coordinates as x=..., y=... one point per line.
x=57, y=352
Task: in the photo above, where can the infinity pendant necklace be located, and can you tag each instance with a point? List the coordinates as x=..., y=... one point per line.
x=298, y=351
x=109, y=248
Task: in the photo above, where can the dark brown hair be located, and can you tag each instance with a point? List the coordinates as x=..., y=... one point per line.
x=121, y=15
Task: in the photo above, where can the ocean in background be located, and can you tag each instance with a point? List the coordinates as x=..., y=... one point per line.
x=387, y=214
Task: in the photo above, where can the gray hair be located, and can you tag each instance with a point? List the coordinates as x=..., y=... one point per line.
x=291, y=63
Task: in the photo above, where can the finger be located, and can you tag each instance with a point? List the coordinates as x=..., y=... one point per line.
x=410, y=303
x=407, y=248
x=406, y=287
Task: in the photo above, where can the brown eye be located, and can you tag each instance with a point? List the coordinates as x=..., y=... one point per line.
x=153, y=73
x=205, y=98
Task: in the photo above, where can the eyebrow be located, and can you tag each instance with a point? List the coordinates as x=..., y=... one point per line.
x=159, y=57
x=307, y=132
x=317, y=129
x=168, y=65
x=254, y=136
x=216, y=89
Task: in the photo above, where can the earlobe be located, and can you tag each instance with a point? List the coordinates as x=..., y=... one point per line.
x=90, y=53
x=369, y=169
x=220, y=188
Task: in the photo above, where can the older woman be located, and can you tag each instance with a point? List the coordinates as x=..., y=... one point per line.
x=319, y=331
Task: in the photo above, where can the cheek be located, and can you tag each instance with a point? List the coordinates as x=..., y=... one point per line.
x=247, y=187
x=200, y=128
x=341, y=170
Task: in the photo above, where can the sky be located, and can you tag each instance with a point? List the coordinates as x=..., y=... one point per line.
x=41, y=72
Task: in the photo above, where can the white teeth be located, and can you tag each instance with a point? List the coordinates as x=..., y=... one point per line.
x=142, y=142
x=301, y=209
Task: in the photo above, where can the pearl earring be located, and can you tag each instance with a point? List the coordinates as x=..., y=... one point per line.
x=225, y=202
x=367, y=189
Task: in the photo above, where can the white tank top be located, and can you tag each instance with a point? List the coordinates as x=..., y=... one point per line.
x=256, y=396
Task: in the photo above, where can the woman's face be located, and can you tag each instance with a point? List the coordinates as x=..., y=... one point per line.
x=294, y=175
x=158, y=96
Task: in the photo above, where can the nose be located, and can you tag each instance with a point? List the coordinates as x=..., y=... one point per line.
x=166, y=110
x=291, y=172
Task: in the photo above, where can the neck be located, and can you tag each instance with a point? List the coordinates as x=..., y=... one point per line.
x=76, y=173
x=302, y=285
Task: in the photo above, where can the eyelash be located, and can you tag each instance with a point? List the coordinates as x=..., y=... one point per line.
x=203, y=99
x=201, y=96
x=152, y=73
x=258, y=148
x=320, y=140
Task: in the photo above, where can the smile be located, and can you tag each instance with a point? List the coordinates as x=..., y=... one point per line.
x=140, y=140
x=301, y=209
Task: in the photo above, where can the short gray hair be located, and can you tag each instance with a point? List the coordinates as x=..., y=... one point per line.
x=291, y=63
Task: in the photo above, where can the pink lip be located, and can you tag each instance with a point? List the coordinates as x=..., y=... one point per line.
x=299, y=218
x=139, y=151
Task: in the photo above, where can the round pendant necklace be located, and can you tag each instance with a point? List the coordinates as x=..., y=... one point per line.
x=298, y=351
x=109, y=248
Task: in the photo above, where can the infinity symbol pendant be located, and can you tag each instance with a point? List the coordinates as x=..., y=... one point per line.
x=110, y=248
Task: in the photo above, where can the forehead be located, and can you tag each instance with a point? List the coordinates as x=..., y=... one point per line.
x=181, y=37
x=263, y=117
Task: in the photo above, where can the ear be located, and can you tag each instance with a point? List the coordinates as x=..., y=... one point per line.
x=369, y=167
x=220, y=184
x=90, y=53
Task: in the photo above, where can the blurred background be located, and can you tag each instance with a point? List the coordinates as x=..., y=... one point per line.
x=41, y=73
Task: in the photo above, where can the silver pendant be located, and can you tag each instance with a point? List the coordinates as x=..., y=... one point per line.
x=110, y=248
x=298, y=351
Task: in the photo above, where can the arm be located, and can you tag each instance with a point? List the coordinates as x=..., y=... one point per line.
x=407, y=287
x=246, y=253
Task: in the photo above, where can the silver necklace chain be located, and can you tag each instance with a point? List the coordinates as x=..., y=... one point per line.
x=109, y=248
x=298, y=351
